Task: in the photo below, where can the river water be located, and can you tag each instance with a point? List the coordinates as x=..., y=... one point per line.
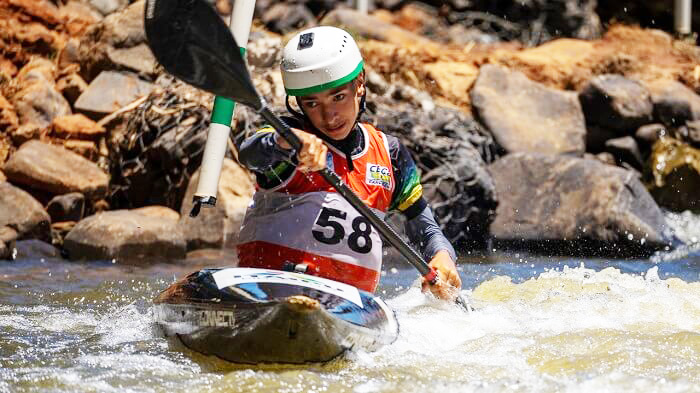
x=538, y=325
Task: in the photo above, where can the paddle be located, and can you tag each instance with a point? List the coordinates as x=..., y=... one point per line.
x=191, y=42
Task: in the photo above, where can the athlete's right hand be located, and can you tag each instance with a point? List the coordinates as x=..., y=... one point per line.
x=312, y=156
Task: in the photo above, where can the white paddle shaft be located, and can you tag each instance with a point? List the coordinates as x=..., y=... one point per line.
x=222, y=112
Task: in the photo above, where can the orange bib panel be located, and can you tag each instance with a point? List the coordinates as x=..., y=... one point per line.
x=305, y=221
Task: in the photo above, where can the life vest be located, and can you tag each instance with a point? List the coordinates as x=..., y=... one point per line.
x=304, y=221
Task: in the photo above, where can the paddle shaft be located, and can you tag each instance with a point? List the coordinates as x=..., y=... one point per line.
x=334, y=180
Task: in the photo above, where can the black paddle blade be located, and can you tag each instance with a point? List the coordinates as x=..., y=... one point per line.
x=192, y=42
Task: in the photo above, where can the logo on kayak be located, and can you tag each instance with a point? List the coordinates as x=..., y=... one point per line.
x=234, y=276
x=216, y=318
x=378, y=175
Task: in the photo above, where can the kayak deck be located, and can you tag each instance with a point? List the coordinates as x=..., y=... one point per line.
x=265, y=316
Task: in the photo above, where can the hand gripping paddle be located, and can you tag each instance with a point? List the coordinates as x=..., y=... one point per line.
x=191, y=42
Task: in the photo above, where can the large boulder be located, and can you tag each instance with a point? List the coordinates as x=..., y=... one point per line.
x=676, y=170
x=219, y=226
x=569, y=205
x=24, y=214
x=126, y=236
x=525, y=116
x=617, y=103
x=55, y=170
x=111, y=91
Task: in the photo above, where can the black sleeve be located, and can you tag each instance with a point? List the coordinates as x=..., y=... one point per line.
x=424, y=232
x=260, y=153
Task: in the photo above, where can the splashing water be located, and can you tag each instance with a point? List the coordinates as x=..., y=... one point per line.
x=87, y=327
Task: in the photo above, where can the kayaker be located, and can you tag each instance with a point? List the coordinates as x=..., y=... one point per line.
x=297, y=221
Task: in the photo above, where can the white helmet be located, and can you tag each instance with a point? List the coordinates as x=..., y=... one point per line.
x=319, y=58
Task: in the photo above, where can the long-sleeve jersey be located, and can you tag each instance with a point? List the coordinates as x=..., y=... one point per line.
x=272, y=166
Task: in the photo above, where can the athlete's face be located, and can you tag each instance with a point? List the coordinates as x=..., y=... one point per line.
x=333, y=112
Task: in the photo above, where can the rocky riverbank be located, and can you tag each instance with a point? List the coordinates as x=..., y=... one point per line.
x=570, y=147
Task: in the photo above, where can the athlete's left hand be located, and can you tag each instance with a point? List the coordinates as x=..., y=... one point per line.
x=449, y=284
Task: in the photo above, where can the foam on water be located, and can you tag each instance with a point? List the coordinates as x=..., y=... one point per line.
x=563, y=330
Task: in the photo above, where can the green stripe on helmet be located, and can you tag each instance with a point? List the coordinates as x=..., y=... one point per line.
x=329, y=85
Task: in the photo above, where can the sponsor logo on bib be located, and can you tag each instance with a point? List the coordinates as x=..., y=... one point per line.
x=378, y=175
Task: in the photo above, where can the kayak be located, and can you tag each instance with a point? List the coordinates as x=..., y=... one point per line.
x=252, y=316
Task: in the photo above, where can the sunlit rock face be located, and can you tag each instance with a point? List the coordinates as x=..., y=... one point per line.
x=570, y=205
x=525, y=116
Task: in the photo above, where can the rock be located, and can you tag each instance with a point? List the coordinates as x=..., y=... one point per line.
x=87, y=149
x=606, y=158
x=284, y=17
x=625, y=149
x=106, y=7
x=368, y=26
x=219, y=226
x=676, y=169
x=55, y=170
x=36, y=250
x=69, y=54
x=674, y=103
x=111, y=91
x=525, y=116
x=121, y=30
x=21, y=212
x=2, y=177
x=38, y=102
x=8, y=236
x=158, y=211
x=138, y=58
x=71, y=86
x=76, y=127
x=616, y=103
x=26, y=132
x=596, y=136
x=648, y=135
x=126, y=236
x=693, y=136
x=66, y=207
x=569, y=205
